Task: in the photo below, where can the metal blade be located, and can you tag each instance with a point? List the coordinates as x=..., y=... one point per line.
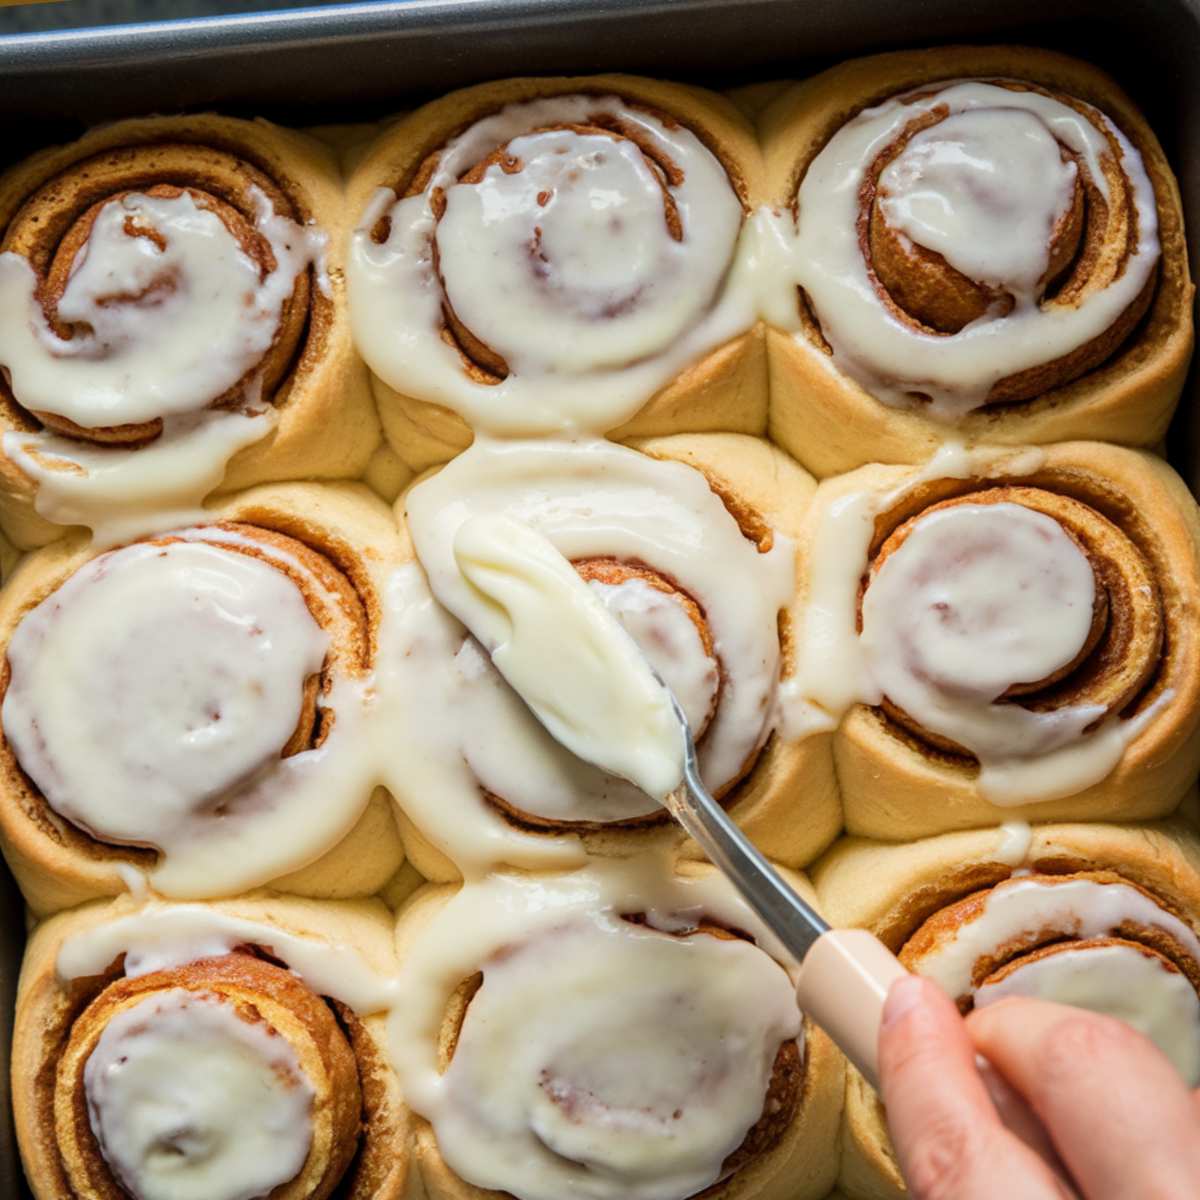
x=785, y=913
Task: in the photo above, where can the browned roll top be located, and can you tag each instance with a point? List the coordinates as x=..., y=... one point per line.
x=1122, y=653
x=336, y=602
x=52, y=227
x=352, y=1120
x=785, y=1089
x=1087, y=248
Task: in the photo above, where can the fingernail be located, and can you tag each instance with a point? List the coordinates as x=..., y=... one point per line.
x=904, y=996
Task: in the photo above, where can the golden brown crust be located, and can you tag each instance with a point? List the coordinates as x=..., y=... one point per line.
x=1124, y=394
x=361, y=1138
x=326, y=424
x=341, y=543
x=1141, y=530
x=725, y=390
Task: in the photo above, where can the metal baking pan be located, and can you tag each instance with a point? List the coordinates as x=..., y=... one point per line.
x=360, y=61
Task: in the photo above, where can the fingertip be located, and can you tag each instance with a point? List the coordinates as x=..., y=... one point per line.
x=904, y=996
x=913, y=997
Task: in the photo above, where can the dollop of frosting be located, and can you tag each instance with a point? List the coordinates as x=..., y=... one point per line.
x=558, y=646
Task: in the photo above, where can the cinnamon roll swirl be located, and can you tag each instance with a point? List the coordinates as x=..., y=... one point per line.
x=539, y=255
x=686, y=541
x=260, y=627
x=612, y=1033
x=1013, y=639
x=984, y=236
x=173, y=322
x=1103, y=917
x=219, y=1052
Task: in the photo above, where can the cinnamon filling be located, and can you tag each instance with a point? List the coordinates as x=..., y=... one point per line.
x=314, y=1047
x=1118, y=657
x=482, y=362
x=52, y=232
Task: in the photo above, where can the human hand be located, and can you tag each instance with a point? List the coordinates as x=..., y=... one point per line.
x=1121, y=1120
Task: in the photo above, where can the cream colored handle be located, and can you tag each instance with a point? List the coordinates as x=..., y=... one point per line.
x=843, y=983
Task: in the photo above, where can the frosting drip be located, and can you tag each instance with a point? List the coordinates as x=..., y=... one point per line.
x=644, y=1059
x=966, y=188
x=189, y=1100
x=581, y=249
x=160, y=936
x=123, y=493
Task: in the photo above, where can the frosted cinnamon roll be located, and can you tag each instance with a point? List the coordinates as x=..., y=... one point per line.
x=1001, y=635
x=985, y=237
x=172, y=320
x=616, y=1032
x=216, y=1052
x=557, y=254
x=217, y=673
x=685, y=540
x=1103, y=917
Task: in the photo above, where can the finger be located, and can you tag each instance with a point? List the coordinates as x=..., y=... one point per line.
x=948, y=1138
x=1120, y=1116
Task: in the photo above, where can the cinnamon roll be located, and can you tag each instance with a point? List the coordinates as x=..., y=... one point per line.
x=538, y=255
x=1003, y=636
x=173, y=322
x=615, y=1032
x=1103, y=917
x=244, y=744
x=219, y=1051
x=686, y=540
x=988, y=237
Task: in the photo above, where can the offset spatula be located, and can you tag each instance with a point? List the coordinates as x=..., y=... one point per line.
x=588, y=684
x=843, y=975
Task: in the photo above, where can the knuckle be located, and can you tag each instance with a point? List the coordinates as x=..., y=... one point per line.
x=941, y=1160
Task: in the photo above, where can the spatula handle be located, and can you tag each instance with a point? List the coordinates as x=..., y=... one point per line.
x=843, y=984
